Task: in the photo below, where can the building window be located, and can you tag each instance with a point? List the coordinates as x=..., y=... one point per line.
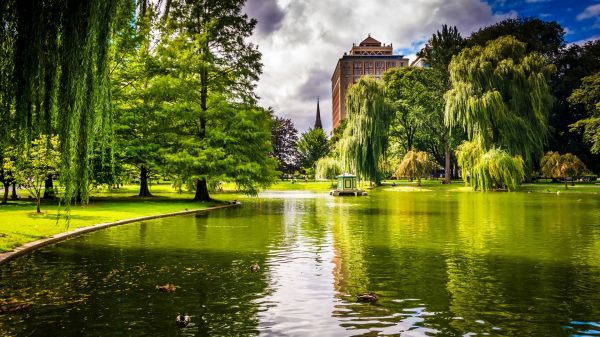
x=357, y=68
x=391, y=64
x=346, y=67
x=379, y=68
x=369, y=68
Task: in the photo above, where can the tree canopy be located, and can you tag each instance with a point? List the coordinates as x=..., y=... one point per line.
x=588, y=95
x=328, y=168
x=555, y=165
x=415, y=164
x=284, y=137
x=312, y=146
x=544, y=37
x=488, y=170
x=501, y=94
x=365, y=139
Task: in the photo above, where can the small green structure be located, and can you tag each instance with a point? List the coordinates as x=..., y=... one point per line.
x=347, y=186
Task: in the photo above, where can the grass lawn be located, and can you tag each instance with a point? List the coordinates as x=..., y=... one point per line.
x=459, y=186
x=19, y=223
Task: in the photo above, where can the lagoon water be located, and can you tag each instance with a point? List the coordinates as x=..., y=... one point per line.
x=442, y=263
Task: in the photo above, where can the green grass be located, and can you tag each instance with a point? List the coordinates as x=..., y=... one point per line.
x=459, y=186
x=19, y=223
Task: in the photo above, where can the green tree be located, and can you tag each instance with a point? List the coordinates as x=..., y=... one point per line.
x=41, y=159
x=440, y=49
x=7, y=171
x=573, y=64
x=412, y=95
x=416, y=95
x=312, y=146
x=365, y=139
x=138, y=83
x=236, y=147
x=206, y=42
x=60, y=60
x=328, y=168
x=546, y=38
x=494, y=169
x=415, y=164
x=564, y=166
x=501, y=94
x=284, y=138
x=588, y=95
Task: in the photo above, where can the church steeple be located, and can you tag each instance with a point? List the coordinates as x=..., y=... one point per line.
x=318, y=123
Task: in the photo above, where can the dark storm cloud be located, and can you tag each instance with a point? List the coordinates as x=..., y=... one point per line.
x=268, y=14
x=318, y=84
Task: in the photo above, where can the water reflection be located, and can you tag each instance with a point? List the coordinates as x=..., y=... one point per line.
x=461, y=264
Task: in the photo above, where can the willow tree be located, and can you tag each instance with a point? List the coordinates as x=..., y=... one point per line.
x=501, y=94
x=555, y=165
x=488, y=170
x=211, y=38
x=60, y=76
x=415, y=164
x=328, y=168
x=365, y=138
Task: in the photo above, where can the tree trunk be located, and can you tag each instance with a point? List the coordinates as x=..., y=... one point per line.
x=144, y=191
x=202, y=191
x=49, y=188
x=447, y=166
x=203, y=99
x=6, y=190
x=38, y=203
x=419, y=182
x=14, y=195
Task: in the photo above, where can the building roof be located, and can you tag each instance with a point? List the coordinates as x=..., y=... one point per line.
x=370, y=42
x=318, y=124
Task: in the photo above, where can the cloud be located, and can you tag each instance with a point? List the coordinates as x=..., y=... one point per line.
x=317, y=84
x=568, y=31
x=584, y=41
x=536, y=1
x=590, y=12
x=268, y=14
x=301, y=50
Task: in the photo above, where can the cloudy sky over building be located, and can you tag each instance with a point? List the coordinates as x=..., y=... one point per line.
x=302, y=40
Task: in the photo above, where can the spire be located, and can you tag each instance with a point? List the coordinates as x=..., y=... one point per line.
x=318, y=120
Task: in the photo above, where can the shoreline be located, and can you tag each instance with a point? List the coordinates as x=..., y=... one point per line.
x=34, y=245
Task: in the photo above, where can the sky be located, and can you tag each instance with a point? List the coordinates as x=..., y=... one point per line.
x=302, y=40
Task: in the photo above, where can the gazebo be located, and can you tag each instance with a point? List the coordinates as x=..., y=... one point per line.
x=347, y=186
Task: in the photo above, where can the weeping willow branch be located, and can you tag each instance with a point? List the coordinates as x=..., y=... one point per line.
x=365, y=139
x=61, y=77
x=501, y=95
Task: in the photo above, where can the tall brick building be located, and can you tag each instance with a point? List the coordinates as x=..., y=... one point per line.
x=370, y=57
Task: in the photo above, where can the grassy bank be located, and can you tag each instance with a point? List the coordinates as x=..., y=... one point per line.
x=19, y=223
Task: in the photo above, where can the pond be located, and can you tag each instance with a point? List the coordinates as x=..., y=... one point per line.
x=441, y=263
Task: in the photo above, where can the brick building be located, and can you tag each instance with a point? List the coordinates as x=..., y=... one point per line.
x=370, y=57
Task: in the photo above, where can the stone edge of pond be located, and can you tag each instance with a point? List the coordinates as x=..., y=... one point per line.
x=33, y=245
